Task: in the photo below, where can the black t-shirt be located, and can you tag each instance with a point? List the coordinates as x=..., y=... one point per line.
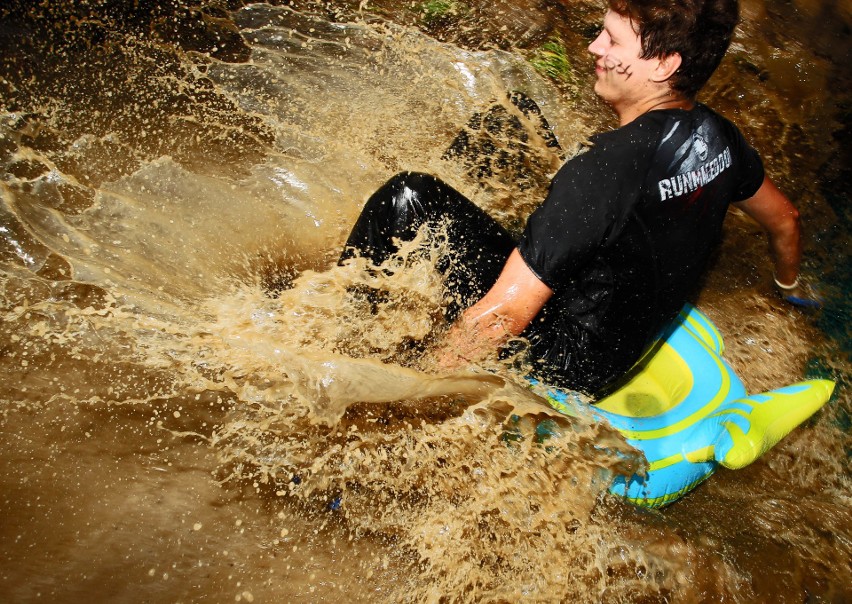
x=624, y=236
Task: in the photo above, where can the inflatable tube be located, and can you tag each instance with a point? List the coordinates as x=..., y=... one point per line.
x=688, y=412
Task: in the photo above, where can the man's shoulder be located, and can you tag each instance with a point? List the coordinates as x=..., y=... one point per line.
x=645, y=128
x=637, y=138
x=649, y=129
x=612, y=156
x=709, y=111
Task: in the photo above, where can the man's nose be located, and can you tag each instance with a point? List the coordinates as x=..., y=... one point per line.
x=598, y=45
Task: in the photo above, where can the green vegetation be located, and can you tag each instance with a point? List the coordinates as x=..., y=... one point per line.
x=551, y=60
x=435, y=11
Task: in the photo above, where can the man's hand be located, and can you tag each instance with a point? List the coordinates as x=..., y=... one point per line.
x=799, y=294
x=505, y=311
x=464, y=345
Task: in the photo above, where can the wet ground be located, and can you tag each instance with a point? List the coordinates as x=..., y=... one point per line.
x=177, y=179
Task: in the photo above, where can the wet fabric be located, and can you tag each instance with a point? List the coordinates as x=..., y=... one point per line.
x=622, y=238
x=479, y=250
x=626, y=232
x=397, y=210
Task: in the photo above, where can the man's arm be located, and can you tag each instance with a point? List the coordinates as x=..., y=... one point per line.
x=780, y=219
x=774, y=212
x=505, y=311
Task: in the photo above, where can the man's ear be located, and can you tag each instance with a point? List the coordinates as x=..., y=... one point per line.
x=666, y=67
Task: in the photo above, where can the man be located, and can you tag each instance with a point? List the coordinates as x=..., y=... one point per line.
x=620, y=243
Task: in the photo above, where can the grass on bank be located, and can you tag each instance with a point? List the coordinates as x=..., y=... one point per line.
x=435, y=11
x=551, y=60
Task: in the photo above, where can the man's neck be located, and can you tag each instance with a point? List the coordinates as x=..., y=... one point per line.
x=632, y=111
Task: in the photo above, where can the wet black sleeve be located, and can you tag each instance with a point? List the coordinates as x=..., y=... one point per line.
x=589, y=200
x=751, y=172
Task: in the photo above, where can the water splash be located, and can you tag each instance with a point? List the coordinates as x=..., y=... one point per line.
x=172, y=311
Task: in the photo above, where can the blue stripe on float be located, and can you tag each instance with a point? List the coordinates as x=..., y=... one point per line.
x=710, y=375
x=742, y=422
x=658, y=484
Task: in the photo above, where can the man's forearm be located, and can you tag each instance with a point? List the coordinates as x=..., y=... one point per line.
x=786, y=251
x=780, y=219
x=505, y=311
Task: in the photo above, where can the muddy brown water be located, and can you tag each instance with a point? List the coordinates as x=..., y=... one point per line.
x=197, y=404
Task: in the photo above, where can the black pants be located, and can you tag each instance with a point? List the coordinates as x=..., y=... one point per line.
x=478, y=244
x=562, y=352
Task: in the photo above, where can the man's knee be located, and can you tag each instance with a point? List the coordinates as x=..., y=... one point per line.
x=410, y=186
x=413, y=196
x=413, y=180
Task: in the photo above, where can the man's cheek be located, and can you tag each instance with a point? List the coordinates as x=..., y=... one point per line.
x=614, y=64
x=611, y=62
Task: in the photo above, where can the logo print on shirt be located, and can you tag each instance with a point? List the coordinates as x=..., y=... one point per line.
x=700, y=146
x=693, y=152
x=687, y=182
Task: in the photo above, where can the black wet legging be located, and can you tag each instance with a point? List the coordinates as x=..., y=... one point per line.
x=562, y=352
x=478, y=244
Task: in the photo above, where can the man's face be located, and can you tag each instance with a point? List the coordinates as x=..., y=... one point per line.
x=622, y=76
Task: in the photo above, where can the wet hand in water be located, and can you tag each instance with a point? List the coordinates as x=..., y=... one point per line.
x=799, y=294
x=452, y=353
x=462, y=346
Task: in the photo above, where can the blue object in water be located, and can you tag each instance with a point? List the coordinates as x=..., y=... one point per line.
x=688, y=412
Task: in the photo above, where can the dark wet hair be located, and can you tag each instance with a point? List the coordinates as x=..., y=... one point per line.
x=699, y=30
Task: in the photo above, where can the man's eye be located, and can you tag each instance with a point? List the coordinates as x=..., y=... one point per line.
x=593, y=31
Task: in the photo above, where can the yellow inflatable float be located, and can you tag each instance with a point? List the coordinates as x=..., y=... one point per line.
x=688, y=412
